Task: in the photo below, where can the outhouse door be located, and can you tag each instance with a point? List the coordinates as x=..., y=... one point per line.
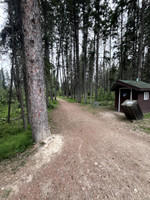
x=124, y=94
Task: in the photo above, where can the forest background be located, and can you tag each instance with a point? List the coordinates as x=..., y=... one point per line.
x=87, y=46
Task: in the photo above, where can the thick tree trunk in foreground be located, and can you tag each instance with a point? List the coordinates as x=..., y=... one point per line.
x=35, y=69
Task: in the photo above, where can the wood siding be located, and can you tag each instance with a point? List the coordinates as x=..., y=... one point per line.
x=144, y=104
x=136, y=95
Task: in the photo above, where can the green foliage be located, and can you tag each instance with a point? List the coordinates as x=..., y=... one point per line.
x=52, y=104
x=106, y=103
x=13, y=138
x=71, y=100
x=15, y=111
x=108, y=100
x=145, y=129
x=3, y=95
x=13, y=141
x=105, y=96
x=68, y=99
x=147, y=116
x=143, y=125
x=60, y=92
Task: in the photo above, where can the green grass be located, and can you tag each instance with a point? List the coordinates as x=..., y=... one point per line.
x=67, y=99
x=104, y=103
x=143, y=125
x=15, y=111
x=13, y=138
x=147, y=116
x=52, y=105
x=145, y=129
x=71, y=100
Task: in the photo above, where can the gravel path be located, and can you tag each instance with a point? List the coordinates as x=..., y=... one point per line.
x=99, y=157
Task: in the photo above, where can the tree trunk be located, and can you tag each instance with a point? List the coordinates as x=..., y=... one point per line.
x=10, y=94
x=85, y=36
x=26, y=94
x=19, y=88
x=97, y=61
x=71, y=70
x=104, y=70
x=141, y=35
x=76, y=41
x=91, y=68
x=35, y=69
x=22, y=107
x=121, y=70
x=78, y=86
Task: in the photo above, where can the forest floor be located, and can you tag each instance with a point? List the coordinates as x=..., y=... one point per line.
x=92, y=154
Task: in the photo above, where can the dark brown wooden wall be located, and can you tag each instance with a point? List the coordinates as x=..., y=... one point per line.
x=144, y=104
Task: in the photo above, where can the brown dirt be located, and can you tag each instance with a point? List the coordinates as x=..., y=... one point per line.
x=90, y=156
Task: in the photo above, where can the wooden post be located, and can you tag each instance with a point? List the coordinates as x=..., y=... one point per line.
x=119, y=100
x=131, y=95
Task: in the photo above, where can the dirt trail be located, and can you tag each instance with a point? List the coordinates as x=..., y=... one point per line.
x=99, y=157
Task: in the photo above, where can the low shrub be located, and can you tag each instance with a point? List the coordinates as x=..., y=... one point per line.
x=13, y=142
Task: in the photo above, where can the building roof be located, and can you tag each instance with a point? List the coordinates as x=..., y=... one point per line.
x=136, y=85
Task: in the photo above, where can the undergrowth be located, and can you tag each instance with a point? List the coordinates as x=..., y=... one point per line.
x=52, y=105
x=13, y=138
x=69, y=99
x=14, y=142
x=105, y=103
x=147, y=116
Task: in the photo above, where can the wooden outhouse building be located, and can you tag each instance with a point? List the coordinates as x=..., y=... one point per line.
x=133, y=90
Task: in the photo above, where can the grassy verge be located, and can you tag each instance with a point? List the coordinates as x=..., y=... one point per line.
x=13, y=138
x=67, y=99
x=14, y=142
x=52, y=105
x=102, y=104
x=143, y=125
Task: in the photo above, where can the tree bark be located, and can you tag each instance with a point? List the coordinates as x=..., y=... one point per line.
x=141, y=35
x=10, y=94
x=97, y=61
x=85, y=38
x=35, y=69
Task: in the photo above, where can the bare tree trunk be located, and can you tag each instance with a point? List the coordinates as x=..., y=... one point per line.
x=71, y=70
x=78, y=86
x=10, y=94
x=104, y=71
x=110, y=62
x=75, y=68
x=27, y=95
x=91, y=68
x=19, y=88
x=35, y=69
x=97, y=61
x=47, y=92
x=22, y=107
x=76, y=41
x=121, y=48
x=141, y=35
x=51, y=86
x=85, y=62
